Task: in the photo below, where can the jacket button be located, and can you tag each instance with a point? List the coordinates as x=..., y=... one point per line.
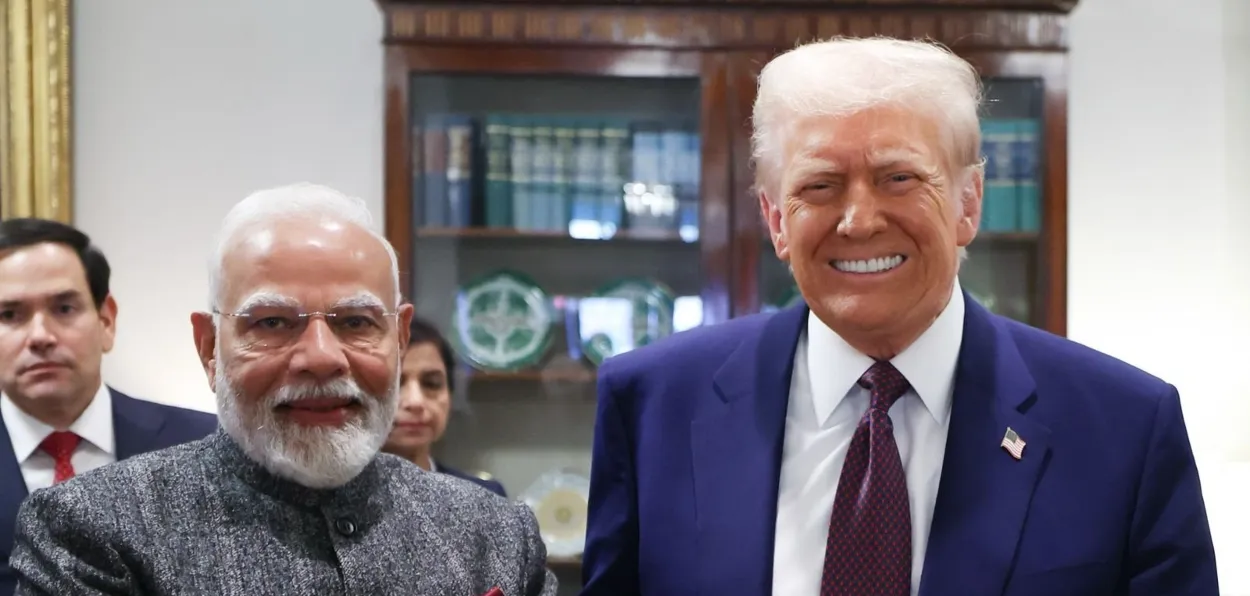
x=345, y=526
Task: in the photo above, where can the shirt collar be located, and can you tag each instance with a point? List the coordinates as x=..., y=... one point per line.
x=95, y=425
x=928, y=364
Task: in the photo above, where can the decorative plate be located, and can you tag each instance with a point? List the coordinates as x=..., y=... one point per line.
x=789, y=298
x=652, y=316
x=503, y=322
x=559, y=500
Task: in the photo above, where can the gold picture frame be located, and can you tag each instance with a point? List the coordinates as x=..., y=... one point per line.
x=36, y=159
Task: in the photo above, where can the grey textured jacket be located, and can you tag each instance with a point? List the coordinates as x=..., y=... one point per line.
x=203, y=519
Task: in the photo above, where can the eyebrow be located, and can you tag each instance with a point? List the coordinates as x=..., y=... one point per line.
x=894, y=156
x=811, y=166
x=55, y=297
x=267, y=300
x=274, y=300
x=361, y=300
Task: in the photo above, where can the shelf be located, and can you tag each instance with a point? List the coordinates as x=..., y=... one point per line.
x=564, y=562
x=513, y=234
x=1006, y=238
x=571, y=375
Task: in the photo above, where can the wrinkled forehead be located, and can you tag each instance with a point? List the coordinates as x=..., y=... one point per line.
x=874, y=137
x=313, y=266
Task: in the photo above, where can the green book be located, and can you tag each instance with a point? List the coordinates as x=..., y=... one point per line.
x=498, y=172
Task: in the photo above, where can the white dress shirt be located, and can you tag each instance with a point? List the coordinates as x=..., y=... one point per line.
x=96, y=448
x=826, y=404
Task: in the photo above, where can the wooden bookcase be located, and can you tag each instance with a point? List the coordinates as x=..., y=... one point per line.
x=680, y=76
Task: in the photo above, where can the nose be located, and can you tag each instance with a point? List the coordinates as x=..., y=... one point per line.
x=318, y=353
x=414, y=397
x=861, y=218
x=40, y=336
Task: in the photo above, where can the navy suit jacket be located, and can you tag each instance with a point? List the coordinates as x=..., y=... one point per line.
x=490, y=485
x=1104, y=501
x=138, y=427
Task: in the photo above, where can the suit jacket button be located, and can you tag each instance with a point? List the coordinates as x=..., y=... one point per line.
x=345, y=526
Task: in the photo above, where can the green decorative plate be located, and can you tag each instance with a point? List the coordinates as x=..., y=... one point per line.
x=652, y=319
x=789, y=298
x=503, y=322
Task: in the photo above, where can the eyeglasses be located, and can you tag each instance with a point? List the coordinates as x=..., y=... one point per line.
x=277, y=327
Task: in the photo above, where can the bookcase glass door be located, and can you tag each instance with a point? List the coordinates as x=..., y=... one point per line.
x=1002, y=271
x=555, y=223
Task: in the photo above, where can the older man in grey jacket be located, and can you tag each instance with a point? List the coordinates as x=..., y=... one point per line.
x=290, y=496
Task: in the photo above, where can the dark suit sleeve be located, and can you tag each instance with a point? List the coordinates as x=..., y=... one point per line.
x=1170, y=542
x=538, y=580
x=610, y=560
x=62, y=550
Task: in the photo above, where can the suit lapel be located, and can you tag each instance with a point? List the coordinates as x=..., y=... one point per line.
x=736, y=442
x=12, y=492
x=984, y=493
x=135, y=428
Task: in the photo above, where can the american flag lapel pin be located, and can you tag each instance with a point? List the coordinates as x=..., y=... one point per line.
x=1013, y=444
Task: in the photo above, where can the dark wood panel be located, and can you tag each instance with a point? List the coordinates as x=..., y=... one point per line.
x=470, y=234
x=731, y=27
x=749, y=229
x=616, y=62
x=1038, y=5
x=397, y=174
x=716, y=205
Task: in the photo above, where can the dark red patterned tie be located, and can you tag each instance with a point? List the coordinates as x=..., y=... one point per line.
x=61, y=445
x=868, y=552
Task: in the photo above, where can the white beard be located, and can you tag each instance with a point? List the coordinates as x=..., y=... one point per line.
x=315, y=457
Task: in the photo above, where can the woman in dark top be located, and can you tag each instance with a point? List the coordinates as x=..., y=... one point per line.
x=425, y=402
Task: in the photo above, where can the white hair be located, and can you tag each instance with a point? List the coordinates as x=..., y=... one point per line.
x=295, y=200
x=844, y=76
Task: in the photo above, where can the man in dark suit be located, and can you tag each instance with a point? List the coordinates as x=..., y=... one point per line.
x=890, y=436
x=57, y=320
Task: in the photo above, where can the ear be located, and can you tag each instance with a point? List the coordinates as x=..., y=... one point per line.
x=403, y=318
x=970, y=200
x=772, y=219
x=108, y=321
x=205, y=334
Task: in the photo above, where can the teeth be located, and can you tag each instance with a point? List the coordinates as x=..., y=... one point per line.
x=876, y=265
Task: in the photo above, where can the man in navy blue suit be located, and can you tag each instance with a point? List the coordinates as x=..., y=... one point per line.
x=57, y=319
x=890, y=436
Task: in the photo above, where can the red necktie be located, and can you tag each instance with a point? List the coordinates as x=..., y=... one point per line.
x=60, y=445
x=869, y=547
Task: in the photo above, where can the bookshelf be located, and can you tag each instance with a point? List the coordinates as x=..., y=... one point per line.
x=596, y=149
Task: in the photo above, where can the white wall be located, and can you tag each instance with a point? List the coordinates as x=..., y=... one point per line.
x=1159, y=135
x=183, y=107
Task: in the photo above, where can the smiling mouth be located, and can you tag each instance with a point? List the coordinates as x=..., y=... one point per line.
x=865, y=266
x=319, y=405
